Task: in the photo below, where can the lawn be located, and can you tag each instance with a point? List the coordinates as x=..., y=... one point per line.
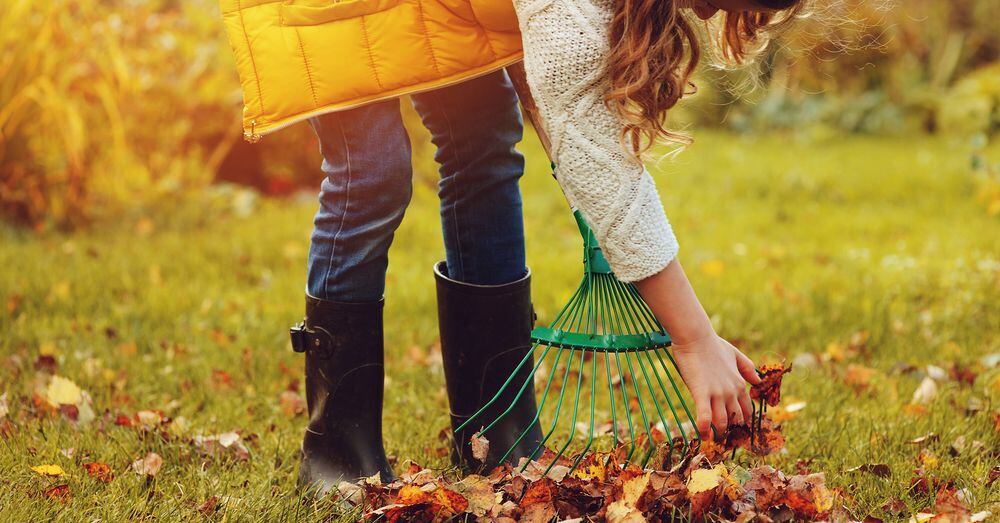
x=868, y=262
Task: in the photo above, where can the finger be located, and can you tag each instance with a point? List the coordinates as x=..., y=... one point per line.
x=720, y=416
x=746, y=406
x=747, y=368
x=704, y=406
x=735, y=412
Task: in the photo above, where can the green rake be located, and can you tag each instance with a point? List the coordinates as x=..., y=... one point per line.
x=605, y=338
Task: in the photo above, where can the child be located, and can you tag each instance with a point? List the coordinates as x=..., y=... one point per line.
x=602, y=72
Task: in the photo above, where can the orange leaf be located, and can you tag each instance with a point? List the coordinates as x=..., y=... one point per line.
x=58, y=493
x=99, y=471
x=412, y=495
x=541, y=491
x=769, y=389
x=449, y=501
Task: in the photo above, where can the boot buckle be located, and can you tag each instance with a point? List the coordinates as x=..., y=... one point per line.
x=305, y=339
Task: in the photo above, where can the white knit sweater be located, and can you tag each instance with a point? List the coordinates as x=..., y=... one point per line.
x=565, y=46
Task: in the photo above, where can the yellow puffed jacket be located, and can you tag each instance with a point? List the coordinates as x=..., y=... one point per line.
x=300, y=58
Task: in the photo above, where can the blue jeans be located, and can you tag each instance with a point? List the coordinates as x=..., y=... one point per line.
x=475, y=126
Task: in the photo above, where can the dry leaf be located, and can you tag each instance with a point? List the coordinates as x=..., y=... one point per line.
x=227, y=444
x=209, y=506
x=878, y=469
x=926, y=392
x=58, y=493
x=702, y=480
x=480, y=447
x=291, y=403
x=99, y=471
x=53, y=471
x=149, y=465
x=62, y=391
x=769, y=389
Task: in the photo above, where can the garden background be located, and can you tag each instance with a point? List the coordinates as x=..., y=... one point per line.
x=839, y=209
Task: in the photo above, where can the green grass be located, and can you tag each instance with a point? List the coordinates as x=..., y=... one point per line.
x=817, y=241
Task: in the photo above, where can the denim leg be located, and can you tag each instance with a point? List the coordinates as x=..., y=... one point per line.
x=475, y=126
x=368, y=184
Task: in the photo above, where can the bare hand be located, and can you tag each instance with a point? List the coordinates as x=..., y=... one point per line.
x=717, y=373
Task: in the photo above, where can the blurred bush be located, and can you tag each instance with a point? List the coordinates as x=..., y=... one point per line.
x=866, y=66
x=114, y=105
x=124, y=106
x=105, y=107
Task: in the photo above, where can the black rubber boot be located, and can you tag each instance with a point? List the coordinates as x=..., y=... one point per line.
x=485, y=333
x=344, y=384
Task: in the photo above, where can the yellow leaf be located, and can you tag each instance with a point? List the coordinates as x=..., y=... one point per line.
x=592, y=471
x=47, y=349
x=632, y=489
x=705, y=479
x=49, y=470
x=928, y=459
x=62, y=391
x=619, y=512
x=713, y=267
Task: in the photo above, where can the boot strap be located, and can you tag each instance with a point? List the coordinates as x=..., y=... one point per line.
x=317, y=340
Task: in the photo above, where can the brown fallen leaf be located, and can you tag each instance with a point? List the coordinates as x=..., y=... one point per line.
x=480, y=447
x=221, y=379
x=478, y=491
x=769, y=389
x=209, y=506
x=225, y=445
x=993, y=475
x=948, y=508
x=877, y=469
x=58, y=493
x=926, y=438
x=99, y=471
x=808, y=496
x=541, y=491
x=858, y=377
x=148, y=466
x=292, y=403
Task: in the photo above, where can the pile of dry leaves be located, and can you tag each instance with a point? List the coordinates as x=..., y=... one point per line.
x=603, y=487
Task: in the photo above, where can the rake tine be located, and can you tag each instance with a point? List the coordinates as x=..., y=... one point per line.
x=545, y=395
x=611, y=390
x=627, y=321
x=644, y=309
x=576, y=408
x=670, y=403
x=627, y=408
x=503, y=388
x=593, y=383
x=677, y=391
x=652, y=395
x=555, y=416
x=538, y=410
x=593, y=402
x=572, y=301
x=642, y=407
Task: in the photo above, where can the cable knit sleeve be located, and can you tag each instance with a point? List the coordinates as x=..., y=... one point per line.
x=565, y=46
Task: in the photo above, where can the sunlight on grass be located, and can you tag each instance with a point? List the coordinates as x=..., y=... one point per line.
x=863, y=260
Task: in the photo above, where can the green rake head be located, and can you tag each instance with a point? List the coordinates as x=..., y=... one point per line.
x=608, y=350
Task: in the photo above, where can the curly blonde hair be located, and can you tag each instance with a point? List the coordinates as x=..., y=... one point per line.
x=655, y=50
